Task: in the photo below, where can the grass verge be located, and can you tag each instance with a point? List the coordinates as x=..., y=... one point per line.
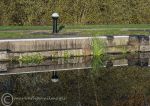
x=8, y=32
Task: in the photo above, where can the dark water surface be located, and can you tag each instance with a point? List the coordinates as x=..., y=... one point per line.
x=117, y=81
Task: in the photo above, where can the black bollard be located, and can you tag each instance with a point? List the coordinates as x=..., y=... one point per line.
x=55, y=17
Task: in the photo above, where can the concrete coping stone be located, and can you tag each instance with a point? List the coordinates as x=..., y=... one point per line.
x=66, y=38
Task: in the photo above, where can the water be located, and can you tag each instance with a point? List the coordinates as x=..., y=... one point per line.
x=120, y=80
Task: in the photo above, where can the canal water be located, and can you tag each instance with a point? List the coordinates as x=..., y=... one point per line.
x=113, y=80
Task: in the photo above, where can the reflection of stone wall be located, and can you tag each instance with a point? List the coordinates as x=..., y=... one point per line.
x=77, y=46
x=75, y=63
x=60, y=64
x=139, y=59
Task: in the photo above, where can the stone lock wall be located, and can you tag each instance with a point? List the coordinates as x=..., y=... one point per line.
x=75, y=46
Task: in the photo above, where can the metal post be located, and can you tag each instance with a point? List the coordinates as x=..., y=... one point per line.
x=56, y=30
x=53, y=25
x=55, y=17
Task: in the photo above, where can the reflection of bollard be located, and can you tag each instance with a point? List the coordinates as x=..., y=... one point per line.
x=55, y=17
x=54, y=77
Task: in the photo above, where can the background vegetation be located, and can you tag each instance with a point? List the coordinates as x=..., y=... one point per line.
x=38, y=12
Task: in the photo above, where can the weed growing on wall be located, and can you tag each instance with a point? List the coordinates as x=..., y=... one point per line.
x=36, y=58
x=98, y=47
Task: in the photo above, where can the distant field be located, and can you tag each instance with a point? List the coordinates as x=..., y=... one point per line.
x=45, y=31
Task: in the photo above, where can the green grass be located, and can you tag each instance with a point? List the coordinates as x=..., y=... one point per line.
x=98, y=47
x=114, y=32
x=25, y=31
x=109, y=29
x=19, y=34
x=108, y=26
x=143, y=26
x=10, y=28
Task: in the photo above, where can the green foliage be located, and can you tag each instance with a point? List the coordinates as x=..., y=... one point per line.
x=66, y=54
x=37, y=12
x=27, y=59
x=97, y=63
x=99, y=54
x=98, y=47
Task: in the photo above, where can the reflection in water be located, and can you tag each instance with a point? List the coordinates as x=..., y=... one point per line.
x=54, y=77
x=103, y=85
x=97, y=62
x=121, y=86
x=139, y=59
